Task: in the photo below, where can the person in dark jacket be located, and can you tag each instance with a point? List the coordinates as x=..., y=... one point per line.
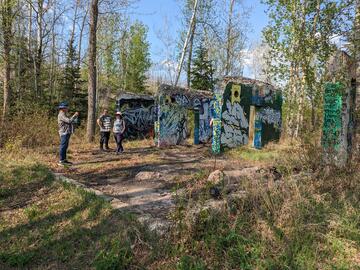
x=119, y=130
x=104, y=122
x=66, y=128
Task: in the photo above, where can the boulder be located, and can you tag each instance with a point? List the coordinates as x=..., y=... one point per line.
x=145, y=176
x=216, y=177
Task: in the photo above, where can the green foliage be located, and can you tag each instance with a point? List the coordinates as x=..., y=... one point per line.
x=202, y=72
x=71, y=87
x=116, y=256
x=299, y=36
x=189, y=263
x=138, y=60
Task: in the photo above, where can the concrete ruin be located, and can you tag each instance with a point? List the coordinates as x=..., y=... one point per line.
x=243, y=111
x=339, y=104
x=250, y=113
x=139, y=112
x=173, y=105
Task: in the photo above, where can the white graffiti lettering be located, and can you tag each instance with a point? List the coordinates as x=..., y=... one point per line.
x=235, y=125
x=269, y=116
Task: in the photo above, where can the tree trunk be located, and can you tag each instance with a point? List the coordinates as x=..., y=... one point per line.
x=53, y=53
x=229, y=39
x=91, y=117
x=356, y=143
x=191, y=43
x=39, y=48
x=7, y=17
x=186, y=43
x=81, y=37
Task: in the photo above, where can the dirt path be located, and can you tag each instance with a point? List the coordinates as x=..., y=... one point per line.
x=143, y=180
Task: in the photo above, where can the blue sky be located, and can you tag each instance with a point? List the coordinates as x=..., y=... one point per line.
x=152, y=13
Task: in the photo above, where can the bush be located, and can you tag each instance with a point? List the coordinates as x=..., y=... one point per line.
x=30, y=131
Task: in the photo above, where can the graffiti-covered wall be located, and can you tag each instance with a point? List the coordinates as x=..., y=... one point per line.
x=139, y=112
x=250, y=114
x=172, y=122
x=173, y=107
x=235, y=115
x=267, y=104
x=338, y=122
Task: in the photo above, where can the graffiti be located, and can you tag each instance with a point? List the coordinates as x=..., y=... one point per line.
x=216, y=136
x=182, y=100
x=216, y=106
x=204, y=123
x=172, y=125
x=139, y=121
x=332, y=116
x=269, y=116
x=196, y=127
x=257, y=134
x=216, y=123
x=235, y=125
x=196, y=103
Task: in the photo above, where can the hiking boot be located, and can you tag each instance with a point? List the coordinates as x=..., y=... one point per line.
x=64, y=163
x=68, y=162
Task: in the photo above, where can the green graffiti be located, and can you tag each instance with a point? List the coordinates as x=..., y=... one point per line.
x=216, y=122
x=332, y=116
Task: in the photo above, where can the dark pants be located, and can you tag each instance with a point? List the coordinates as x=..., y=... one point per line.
x=64, y=144
x=104, y=139
x=118, y=139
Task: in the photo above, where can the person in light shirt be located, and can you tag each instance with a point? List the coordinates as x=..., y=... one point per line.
x=119, y=130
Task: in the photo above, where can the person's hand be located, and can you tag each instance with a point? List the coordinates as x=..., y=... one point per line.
x=76, y=114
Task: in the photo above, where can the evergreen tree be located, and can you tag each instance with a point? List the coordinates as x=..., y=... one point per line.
x=71, y=72
x=202, y=73
x=138, y=62
x=71, y=89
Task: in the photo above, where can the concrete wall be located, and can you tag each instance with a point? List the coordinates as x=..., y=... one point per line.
x=139, y=115
x=173, y=108
x=338, y=123
x=250, y=114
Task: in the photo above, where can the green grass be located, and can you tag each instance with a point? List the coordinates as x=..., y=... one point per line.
x=251, y=154
x=47, y=224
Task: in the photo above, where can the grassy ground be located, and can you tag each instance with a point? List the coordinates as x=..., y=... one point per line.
x=308, y=220
x=48, y=225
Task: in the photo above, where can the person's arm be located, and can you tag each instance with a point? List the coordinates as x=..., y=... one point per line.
x=99, y=122
x=68, y=120
x=124, y=127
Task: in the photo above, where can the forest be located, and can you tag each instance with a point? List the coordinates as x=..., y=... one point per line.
x=237, y=145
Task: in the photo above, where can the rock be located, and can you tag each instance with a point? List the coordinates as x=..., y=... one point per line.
x=216, y=177
x=145, y=176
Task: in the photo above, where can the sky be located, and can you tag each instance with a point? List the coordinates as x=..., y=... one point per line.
x=153, y=12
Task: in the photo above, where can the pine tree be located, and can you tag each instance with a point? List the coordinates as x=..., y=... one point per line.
x=71, y=88
x=138, y=62
x=202, y=73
